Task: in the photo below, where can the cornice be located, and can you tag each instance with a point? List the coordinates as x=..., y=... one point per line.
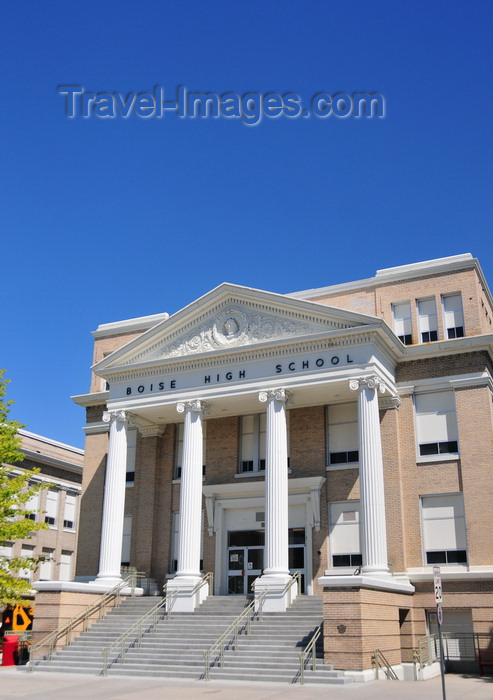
x=379, y=334
x=97, y=398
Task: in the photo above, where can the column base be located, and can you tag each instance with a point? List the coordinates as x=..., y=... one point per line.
x=186, y=600
x=277, y=599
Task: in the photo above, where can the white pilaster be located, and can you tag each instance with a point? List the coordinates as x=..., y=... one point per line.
x=188, y=574
x=113, y=501
x=276, y=556
x=372, y=494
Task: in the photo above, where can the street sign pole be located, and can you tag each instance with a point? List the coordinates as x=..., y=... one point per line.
x=437, y=585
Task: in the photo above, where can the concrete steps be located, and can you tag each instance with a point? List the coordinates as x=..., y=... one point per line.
x=175, y=650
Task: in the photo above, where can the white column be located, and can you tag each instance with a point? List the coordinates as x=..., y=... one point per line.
x=114, y=500
x=188, y=573
x=276, y=556
x=372, y=494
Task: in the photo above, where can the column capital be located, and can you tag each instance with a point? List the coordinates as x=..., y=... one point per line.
x=195, y=405
x=110, y=416
x=371, y=382
x=277, y=394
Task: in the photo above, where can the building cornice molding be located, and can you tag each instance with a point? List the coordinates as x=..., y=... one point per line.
x=337, y=341
x=97, y=398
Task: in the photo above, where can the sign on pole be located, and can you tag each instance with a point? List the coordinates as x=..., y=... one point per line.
x=437, y=584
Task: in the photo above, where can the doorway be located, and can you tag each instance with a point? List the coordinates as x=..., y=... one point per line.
x=245, y=560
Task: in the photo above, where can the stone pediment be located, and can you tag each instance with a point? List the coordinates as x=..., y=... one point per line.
x=231, y=318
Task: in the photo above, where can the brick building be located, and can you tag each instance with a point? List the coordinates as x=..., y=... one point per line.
x=61, y=466
x=343, y=432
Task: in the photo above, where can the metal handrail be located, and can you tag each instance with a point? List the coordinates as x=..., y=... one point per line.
x=307, y=651
x=137, y=629
x=99, y=607
x=428, y=651
x=379, y=661
x=295, y=578
x=230, y=635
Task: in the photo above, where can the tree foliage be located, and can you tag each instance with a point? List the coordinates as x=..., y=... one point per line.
x=16, y=490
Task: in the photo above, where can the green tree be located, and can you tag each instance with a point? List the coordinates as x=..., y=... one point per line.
x=16, y=490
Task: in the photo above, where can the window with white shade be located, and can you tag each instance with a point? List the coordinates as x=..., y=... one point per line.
x=179, y=448
x=427, y=320
x=453, y=316
x=444, y=529
x=6, y=550
x=344, y=534
x=436, y=423
x=126, y=540
x=33, y=504
x=252, y=443
x=51, y=507
x=131, y=453
x=27, y=550
x=69, y=510
x=175, y=541
x=401, y=316
x=342, y=434
x=65, y=569
x=46, y=566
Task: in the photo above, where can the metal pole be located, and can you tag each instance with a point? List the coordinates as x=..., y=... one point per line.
x=442, y=660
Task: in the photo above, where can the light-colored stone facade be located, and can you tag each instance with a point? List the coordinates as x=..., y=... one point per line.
x=313, y=344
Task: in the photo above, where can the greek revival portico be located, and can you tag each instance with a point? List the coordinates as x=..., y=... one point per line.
x=237, y=352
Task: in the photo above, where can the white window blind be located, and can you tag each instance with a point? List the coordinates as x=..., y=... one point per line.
x=344, y=524
x=436, y=423
x=453, y=316
x=427, y=320
x=65, y=569
x=342, y=425
x=69, y=511
x=444, y=529
x=127, y=539
x=51, y=508
x=401, y=314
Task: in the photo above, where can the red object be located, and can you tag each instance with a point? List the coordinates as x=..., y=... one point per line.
x=9, y=649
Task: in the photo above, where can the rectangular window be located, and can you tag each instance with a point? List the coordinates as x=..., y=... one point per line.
x=131, y=452
x=27, y=550
x=252, y=443
x=444, y=529
x=453, y=316
x=69, y=511
x=65, y=570
x=6, y=550
x=51, y=508
x=33, y=504
x=342, y=434
x=427, y=320
x=179, y=449
x=46, y=566
x=436, y=423
x=175, y=538
x=344, y=524
x=401, y=315
x=127, y=540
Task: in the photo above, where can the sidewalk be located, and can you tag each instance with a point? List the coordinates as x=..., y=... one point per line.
x=18, y=683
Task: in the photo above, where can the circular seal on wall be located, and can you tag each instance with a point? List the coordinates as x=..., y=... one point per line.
x=230, y=327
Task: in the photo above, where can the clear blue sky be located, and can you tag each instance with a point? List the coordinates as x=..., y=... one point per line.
x=106, y=219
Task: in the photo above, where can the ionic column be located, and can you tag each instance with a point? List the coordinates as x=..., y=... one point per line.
x=114, y=499
x=191, y=490
x=372, y=499
x=276, y=484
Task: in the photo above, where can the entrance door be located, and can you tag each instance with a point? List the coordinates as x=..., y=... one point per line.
x=245, y=564
x=245, y=560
